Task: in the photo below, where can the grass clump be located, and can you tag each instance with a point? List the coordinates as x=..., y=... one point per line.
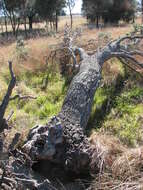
x=125, y=118
x=111, y=85
x=118, y=105
x=29, y=112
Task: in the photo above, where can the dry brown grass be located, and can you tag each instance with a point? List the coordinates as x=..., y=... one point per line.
x=129, y=164
x=121, y=168
x=37, y=51
x=77, y=21
x=39, y=48
x=115, y=32
x=107, y=148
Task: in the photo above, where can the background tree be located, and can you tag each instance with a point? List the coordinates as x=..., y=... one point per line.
x=109, y=10
x=3, y=12
x=71, y=4
x=12, y=10
x=60, y=4
x=49, y=10
x=94, y=10
x=120, y=10
x=30, y=11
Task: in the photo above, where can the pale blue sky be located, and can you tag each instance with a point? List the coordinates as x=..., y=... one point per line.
x=77, y=8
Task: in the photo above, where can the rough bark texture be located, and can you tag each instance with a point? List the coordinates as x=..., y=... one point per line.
x=62, y=140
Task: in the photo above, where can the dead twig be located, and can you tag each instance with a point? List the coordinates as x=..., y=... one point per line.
x=19, y=97
x=10, y=116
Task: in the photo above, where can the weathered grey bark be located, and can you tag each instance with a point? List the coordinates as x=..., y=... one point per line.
x=63, y=140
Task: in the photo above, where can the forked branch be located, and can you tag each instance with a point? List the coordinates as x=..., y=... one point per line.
x=122, y=50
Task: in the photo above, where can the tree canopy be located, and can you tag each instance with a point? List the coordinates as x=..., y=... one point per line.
x=109, y=10
x=46, y=9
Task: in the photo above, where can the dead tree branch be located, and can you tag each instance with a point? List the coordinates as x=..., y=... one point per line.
x=10, y=116
x=19, y=97
x=6, y=99
x=129, y=65
x=131, y=38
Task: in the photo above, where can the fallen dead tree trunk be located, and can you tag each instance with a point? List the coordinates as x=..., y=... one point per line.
x=62, y=140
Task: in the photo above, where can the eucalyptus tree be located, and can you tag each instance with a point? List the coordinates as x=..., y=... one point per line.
x=3, y=13
x=71, y=5
x=30, y=11
x=95, y=9
x=121, y=9
x=12, y=11
x=49, y=10
x=109, y=10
